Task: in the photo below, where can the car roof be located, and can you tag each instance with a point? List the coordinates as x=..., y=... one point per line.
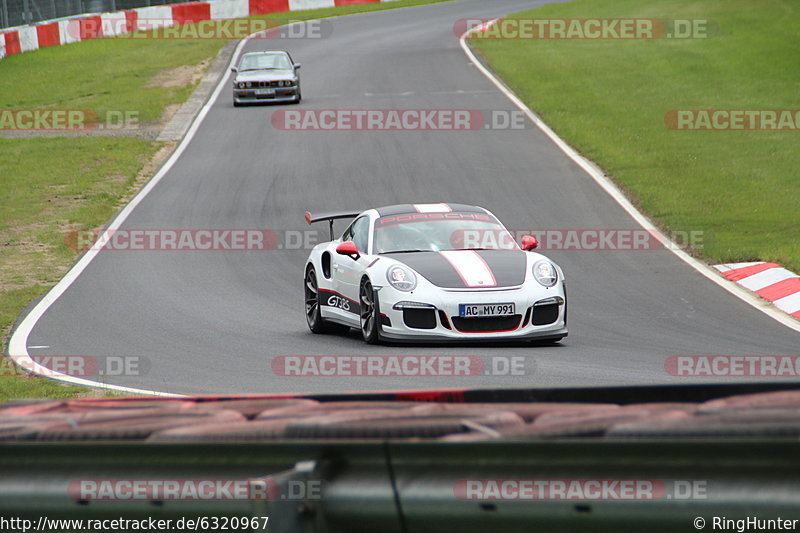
x=266, y=52
x=399, y=209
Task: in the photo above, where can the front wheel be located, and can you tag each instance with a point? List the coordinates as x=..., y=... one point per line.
x=369, y=313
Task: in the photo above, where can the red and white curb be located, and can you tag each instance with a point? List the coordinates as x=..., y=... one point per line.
x=97, y=25
x=768, y=280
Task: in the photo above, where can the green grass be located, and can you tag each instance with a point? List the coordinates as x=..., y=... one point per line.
x=61, y=180
x=48, y=186
x=609, y=98
x=21, y=387
x=51, y=185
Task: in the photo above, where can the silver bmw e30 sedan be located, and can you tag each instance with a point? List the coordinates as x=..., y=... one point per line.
x=269, y=76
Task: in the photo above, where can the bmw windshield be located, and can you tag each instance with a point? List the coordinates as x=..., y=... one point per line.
x=265, y=62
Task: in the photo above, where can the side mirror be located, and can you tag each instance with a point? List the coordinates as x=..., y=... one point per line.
x=348, y=248
x=297, y=65
x=529, y=243
x=234, y=70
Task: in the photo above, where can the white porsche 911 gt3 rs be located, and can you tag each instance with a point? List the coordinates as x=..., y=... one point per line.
x=429, y=273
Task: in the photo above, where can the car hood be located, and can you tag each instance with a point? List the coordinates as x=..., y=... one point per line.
x=265, y=75
x=468, y=269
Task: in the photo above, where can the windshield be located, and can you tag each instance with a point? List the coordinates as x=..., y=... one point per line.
x=434, y=233
x=265, y=62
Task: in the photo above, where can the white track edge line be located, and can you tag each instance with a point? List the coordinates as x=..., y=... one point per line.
x=611, y=188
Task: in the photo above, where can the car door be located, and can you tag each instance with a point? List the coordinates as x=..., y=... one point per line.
x=348, y=271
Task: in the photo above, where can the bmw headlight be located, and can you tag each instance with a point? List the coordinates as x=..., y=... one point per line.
x=249, y=84
x=241, y=85
x=545, y=273
x=401, y=278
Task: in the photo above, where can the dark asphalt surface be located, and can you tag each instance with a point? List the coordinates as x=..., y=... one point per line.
x=211, y=322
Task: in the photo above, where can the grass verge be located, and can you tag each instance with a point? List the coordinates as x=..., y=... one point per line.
x=609, y=99
x=52, y=185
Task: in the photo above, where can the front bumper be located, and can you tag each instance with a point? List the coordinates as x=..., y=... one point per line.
x=540, y=314
x=248, y=96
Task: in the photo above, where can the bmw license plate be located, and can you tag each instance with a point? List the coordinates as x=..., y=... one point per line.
x=265, y=92
x=469, y=310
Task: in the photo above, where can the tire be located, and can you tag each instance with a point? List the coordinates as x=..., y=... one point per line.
x=370, y=314
x=236, y=104
x=314, y=319
x=299, y=98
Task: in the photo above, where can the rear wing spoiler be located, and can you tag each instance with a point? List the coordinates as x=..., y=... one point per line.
x=330, y=217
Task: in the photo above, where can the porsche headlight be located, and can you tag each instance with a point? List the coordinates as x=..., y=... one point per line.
x=401, y=278
x=545, y=273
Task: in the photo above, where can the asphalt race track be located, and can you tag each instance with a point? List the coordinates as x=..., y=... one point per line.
x=211, y=322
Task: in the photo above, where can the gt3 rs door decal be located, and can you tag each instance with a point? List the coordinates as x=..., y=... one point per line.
x=334, y=299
